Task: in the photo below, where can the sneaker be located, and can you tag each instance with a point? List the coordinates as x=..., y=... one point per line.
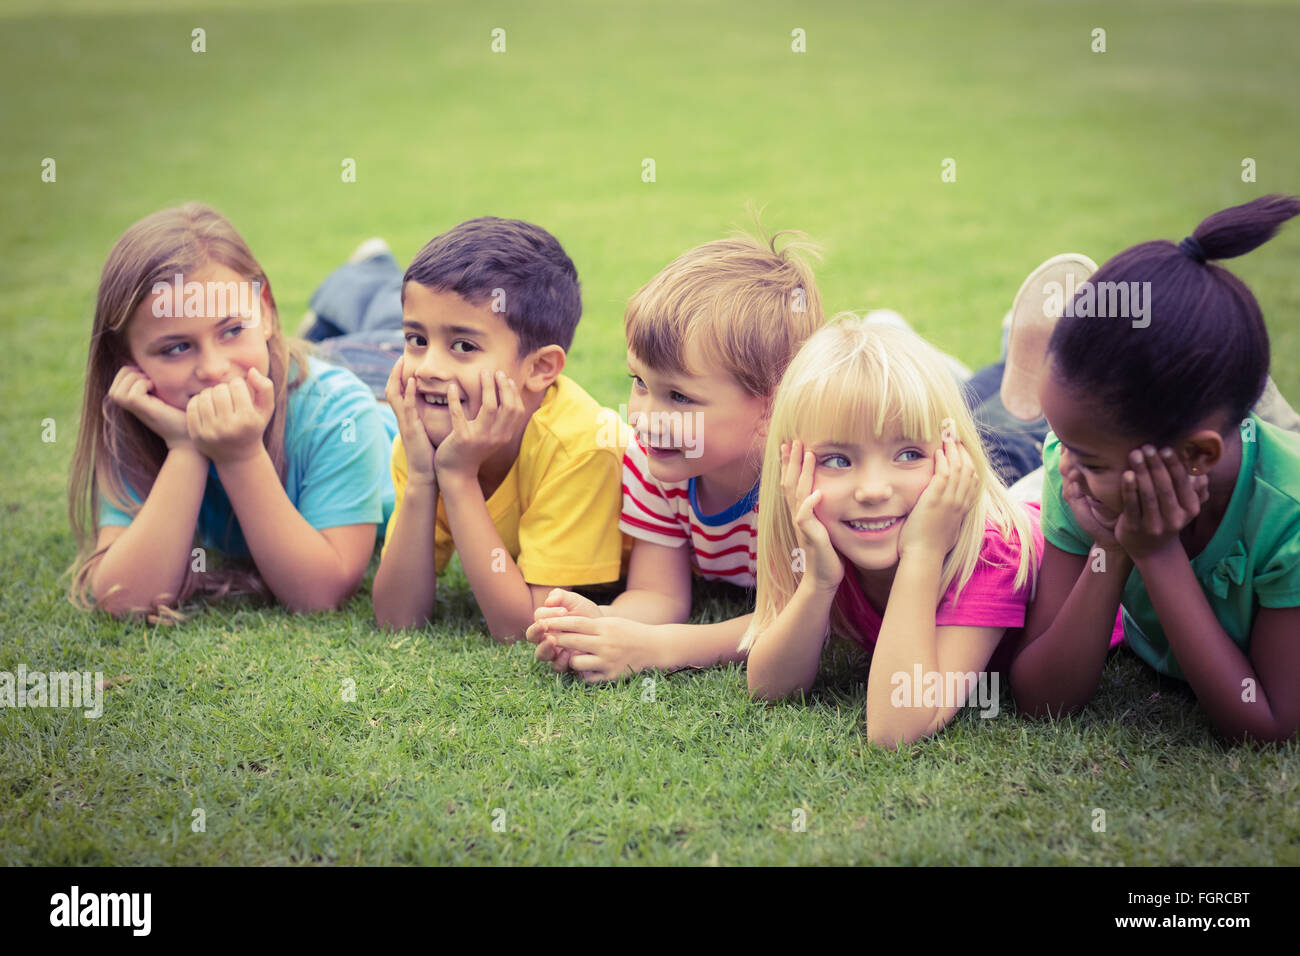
x=305, y=324
x=370, y=249
x=1032, y=322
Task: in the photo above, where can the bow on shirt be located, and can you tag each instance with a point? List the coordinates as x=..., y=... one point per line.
x=1231, y=569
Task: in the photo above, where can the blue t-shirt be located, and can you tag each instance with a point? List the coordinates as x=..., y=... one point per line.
x=337, y=442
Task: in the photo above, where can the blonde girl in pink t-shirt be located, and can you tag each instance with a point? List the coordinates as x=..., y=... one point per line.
x=881, y=519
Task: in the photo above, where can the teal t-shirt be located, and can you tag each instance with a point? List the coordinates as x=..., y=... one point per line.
x=1252, y=561
x=337, y=441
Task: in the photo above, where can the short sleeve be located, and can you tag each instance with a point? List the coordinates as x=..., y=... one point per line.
x=990, y=598
x=1277, y=584
x=1059, y=527
x=569, y=534
x=646, y=512
x=343, y=442
x=112, y=516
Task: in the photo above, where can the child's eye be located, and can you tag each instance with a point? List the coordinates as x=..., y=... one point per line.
x=636, y=381
x=680, y=398
x=233, y=331
x=171, y=350
x=915, y=454
x=419, y=342
x=834, y=461
x=469, y=346
x=1092, y=469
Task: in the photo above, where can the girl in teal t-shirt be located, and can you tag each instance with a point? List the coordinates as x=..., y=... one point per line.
x=1162, y=492
x=200, y=417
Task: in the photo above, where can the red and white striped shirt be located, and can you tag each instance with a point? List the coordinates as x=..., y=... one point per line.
x=724, y=546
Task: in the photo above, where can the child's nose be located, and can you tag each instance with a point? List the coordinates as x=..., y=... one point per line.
x=873, y=487
x=212, y=367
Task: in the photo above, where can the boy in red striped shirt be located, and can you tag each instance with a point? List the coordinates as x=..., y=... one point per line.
x=708, y=340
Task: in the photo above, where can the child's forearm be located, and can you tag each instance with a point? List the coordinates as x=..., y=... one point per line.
x=651, y=607
x=405, y=589
x=1058, y=670
x=1213, y=664
x=699, y=645
x=503, y=595
x=906, y=639
x=785, y=657
x=298, y=564
x=148, y=560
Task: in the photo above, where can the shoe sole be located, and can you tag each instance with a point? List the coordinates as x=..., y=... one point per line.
x=1031, y=330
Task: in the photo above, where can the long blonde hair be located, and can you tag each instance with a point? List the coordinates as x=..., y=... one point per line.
x=115, y=450
x=852, y=377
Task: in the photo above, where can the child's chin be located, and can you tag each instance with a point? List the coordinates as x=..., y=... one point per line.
x=676, y=468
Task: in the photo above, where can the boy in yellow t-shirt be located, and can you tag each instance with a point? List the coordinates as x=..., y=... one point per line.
x=500, y=457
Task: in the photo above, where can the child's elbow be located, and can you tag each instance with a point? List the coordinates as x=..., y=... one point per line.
x=113, y=598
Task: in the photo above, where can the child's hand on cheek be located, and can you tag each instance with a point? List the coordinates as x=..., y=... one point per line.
x=1085, y=510
x=227, y=421
x=823, y=567
x=405, y=401
x=935, y=520
x=1160, y=499
x=133, y=391
x=471, y=442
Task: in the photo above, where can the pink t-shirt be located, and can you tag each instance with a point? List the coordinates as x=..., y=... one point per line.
x=989, y=598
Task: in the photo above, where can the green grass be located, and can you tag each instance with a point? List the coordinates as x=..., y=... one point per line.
x=240, y=712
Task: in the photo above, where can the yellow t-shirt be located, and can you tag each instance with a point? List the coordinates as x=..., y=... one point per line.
x=558, y=507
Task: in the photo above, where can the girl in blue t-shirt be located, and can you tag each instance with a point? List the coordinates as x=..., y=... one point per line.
x=1163, y=493
x=200, y=416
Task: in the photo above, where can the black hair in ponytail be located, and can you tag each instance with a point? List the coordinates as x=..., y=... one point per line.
x=1204, y=347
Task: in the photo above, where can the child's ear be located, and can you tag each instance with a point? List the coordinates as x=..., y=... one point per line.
x=766, y=420
x=542, y=367
x=1201, y=450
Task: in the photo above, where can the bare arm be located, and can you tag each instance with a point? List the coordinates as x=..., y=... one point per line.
x=785, y=658
x=503, y=595
x=909, y=639
x=658, y=585
x=1057, y=665
x=406, y=585
x=146, y=561
x=1255, y=697
x=306, y=569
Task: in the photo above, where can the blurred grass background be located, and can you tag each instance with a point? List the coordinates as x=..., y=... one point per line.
x=1056, y=148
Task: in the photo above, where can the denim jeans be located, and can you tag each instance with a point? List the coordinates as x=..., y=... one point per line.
x=1014, y=447
x=358, y=323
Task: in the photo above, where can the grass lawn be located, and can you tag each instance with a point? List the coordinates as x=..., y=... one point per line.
x=241, y=713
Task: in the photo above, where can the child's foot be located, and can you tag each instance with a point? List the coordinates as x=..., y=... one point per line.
x=370, y=249
x=1033, y=316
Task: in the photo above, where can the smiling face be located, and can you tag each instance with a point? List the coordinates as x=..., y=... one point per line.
x=868, y=489
x=696, y=424
x=182, y=354
x=449, y=340
x=1089, y=444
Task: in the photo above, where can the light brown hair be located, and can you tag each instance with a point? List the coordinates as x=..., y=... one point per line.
x=746, y=305
x=115, y=450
